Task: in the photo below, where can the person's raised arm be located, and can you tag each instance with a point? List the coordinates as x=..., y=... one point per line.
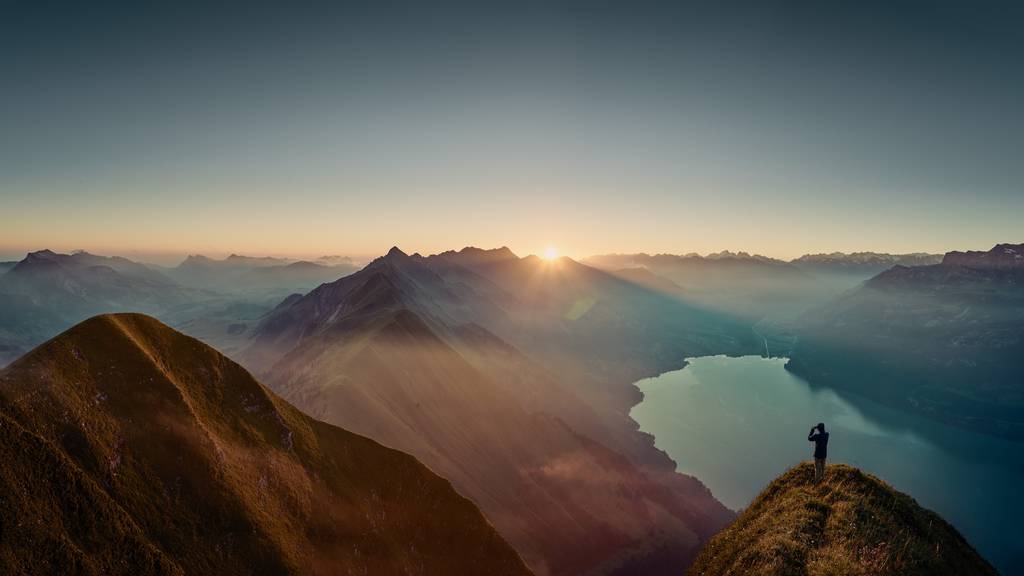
x=810, y=435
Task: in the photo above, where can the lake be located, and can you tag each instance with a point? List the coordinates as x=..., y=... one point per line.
x=737, y=423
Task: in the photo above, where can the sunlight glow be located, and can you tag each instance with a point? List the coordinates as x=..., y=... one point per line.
x=550, y=253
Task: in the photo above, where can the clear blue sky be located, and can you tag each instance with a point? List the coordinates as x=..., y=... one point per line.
x=266, y=127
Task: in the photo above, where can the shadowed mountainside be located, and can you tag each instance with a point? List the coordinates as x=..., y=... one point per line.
x=596, y=331
x=129, y=448
x=489, y=368
x=946, y=340
x=853, y=524
x=644, y=277
x=750, y=286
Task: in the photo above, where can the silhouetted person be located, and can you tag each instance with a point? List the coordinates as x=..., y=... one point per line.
x=820, y=439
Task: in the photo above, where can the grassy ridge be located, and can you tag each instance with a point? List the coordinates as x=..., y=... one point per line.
x=852, y=524
x=129, y=448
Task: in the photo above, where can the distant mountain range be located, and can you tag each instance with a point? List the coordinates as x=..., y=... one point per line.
x=945, y=339
x=131, y=449
x=451, y=358
x=1002, y=256
x=753, y=286
x=861, y=264
x=264, y=276
x=217, y=300
x=720, y=265
x=512, y=377
x=82, y=282
x=854, y=525
x=748, y=286
x=47, y=292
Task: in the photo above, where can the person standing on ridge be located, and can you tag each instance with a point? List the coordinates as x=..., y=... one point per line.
x=820, y=439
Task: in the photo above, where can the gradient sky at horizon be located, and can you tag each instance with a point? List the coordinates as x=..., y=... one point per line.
x=271, y=128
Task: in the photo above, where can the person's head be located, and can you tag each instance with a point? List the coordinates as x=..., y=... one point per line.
x=820, y=426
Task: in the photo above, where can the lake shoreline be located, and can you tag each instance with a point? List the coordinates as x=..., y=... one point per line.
x=736, y=423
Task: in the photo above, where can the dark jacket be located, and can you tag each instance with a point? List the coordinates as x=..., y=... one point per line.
x=820, y=440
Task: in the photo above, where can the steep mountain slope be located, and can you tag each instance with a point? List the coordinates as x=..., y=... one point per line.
x=57, y=520
x=853, y=524
x=132, y=449
x=596, y=331
x=403, y=351
x=946, y=340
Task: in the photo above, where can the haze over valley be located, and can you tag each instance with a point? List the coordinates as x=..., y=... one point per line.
x=548, y=288
x=513, y=377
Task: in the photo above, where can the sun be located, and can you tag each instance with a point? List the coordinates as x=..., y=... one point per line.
x=550, y=253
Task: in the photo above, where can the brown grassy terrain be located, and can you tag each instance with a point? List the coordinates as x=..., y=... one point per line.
x=853, y=524
x=129, y=448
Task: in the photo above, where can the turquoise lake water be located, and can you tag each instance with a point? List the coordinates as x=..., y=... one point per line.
x=737, y=423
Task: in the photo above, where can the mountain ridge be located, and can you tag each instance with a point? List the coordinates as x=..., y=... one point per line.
x=945, y=340
x=406, y=351
x=1000, y=256
x=851, y=524
x=252, y=486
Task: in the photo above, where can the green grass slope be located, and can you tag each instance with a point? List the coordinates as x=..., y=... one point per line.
x=129, y=448
x=853, y=524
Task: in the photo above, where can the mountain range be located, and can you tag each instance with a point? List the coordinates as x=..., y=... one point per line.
x=946, y=340
x=258, y=276
x=79, y=283
x=452, y=358
x=861, y=264
x=748, y=286
x=511, y=377
x=752, y=286
x=130, y=448
x=47, y=292
x=219, y=301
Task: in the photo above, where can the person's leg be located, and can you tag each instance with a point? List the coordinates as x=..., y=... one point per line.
x=819, y=469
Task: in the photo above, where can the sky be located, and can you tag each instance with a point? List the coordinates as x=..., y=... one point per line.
x=310, y=128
